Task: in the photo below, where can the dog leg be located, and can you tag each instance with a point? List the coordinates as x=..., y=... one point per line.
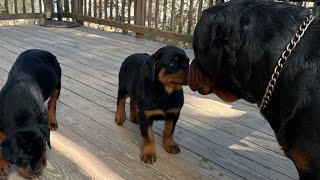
x=53, y=123
x=121, y=112
x=4, y=166
x=133, y=112
x=148, y=152
x=169, y=144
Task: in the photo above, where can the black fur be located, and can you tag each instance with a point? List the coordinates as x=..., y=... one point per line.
x=238, y=44
x=23, y=114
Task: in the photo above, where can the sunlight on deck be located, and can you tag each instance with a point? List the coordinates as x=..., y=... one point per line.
x=82, y=157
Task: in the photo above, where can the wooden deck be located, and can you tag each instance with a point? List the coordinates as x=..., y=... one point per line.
x=218, y=140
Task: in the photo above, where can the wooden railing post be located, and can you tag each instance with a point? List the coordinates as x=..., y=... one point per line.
x=139, y=14
x=48, y=9
x=78, y=9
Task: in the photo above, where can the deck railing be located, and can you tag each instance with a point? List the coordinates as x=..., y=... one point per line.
x=169, y=19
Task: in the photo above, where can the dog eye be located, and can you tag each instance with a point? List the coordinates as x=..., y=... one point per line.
x=172, y=63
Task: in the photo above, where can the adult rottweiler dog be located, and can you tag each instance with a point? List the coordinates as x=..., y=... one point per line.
x=154, y=85
x=237, y=46
x=25, y=121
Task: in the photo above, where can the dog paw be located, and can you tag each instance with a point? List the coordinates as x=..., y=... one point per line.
x=134, y=120
x=53, y=126
x=172, y=148
x=149, y=158
x=120, y=120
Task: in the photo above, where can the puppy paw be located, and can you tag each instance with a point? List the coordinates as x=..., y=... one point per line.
x=172, y=148
x=53, y=126
x=148, y=158
x=120, y=120
x=134, y=119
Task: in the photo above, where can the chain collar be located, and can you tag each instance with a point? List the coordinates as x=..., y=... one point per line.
x=284, y=57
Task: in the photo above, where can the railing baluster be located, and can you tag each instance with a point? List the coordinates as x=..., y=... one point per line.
x=173, y=16
x=190, y=15
x=15, y=6
x=117, y=10
x=181, y=16
x=90, y=8
x=32, y=6
x=156, y=20
x=149, y=12
x=24, y=6
x=100, y=8
x=129, y=11
x=111, y=9
x=164, y=20
x=200, y=9
x=94, y=8
x=123, y=5
x=6, y=4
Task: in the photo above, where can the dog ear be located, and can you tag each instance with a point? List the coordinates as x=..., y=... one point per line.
x=10, y=149
x=219, y=31
x=151, y=64
x=46, y=134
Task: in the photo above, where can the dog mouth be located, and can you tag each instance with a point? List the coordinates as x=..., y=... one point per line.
x=180, y=82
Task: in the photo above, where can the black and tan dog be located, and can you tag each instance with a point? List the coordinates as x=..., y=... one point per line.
x=237, y=46
x=154, y=85
x=24, y=118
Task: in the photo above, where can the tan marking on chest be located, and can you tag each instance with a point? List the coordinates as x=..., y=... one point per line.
x=154, y=112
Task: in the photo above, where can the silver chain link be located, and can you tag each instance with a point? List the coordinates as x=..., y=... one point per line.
x=284, y=57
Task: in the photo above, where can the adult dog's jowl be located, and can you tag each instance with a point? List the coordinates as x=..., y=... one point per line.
x=237, y=47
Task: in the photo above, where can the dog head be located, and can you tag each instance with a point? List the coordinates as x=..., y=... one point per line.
x=237, y=45
x=169, y=66
x=26, y=148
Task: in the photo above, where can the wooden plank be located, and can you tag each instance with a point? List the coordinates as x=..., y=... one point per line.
x=190, y=17
x=149, y=12
x=164, y=20
x=15, y=7
x=173, y=16
x=24, y=6
x=100, y=8
x=6, y=6
x=117, y=10
x=111, y=10
x=32, y=6
x=22, y=16
x=138, y=29
x=181, y=16
x=156, y=18
x=200, y=9
x=95, y=9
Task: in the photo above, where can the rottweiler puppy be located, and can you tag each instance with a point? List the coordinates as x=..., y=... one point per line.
x=154, y=85
x=25, y=121
x=237, y=46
